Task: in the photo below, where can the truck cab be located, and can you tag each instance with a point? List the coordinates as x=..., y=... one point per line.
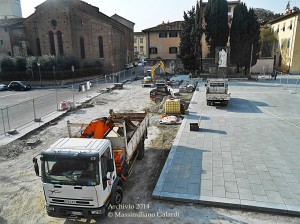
x=78, y=177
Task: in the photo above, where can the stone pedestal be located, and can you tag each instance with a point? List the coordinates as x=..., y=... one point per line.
x=222, y=72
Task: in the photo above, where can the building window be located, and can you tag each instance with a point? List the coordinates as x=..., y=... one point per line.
x=5, y=29
x=81, y=23
x=288, y=42
x=279, y=60
x=173, y=50
x=135, y=40
x=282, y=43
x=153, y=50
x=1, y=42
x=277, y=28
x=135, y=49
x=82, y=48
x=60, y=43
x=52, y=44
x=142, y=49
x=53, y=23
x=173, y=34
x=163, y=35
x=38, y=46
x=283, y=28
x=229, y=9
x=291, y=25
x=101, y=51
x=141, y=40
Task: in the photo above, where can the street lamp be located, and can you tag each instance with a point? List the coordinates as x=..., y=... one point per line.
x=39, y=64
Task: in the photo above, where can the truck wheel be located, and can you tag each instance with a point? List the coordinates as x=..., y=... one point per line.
x=141, y=150
x=117, y=196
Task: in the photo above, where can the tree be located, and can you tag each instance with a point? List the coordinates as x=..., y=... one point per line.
x=190, y=39
x=217, y=29
x=238, y=35
x=198, y=34
x=187, y=49
x=254, y=43
x=244, y=37
x=264, y=15
x=267, y=41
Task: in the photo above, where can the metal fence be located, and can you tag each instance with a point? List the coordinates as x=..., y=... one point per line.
x=19, y=115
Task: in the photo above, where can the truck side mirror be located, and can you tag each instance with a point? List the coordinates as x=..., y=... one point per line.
x=36, y=166
x=110, y=165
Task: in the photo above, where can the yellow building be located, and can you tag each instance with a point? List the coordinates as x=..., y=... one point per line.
x=163, y=40
x=140, y=45
x=287, y=49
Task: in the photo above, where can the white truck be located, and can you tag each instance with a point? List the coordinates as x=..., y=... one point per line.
x=83, y=175
x=217, y=91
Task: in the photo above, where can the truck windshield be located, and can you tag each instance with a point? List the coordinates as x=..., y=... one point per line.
x=71, y=171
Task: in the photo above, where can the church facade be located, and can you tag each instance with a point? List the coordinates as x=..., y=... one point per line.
x=76, y=28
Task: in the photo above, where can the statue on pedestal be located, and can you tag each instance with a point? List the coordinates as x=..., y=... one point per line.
x=222, y=58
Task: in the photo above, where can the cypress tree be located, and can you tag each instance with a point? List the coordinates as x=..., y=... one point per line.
x=187, y=40
x=239, y=35
x=244, y=33
x=217, y=29
x=253, y=40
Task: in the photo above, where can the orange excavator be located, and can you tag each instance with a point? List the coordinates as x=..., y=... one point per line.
x=126, y=132
x=97, y=128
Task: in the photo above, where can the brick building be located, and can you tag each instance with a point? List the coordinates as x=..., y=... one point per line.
x=76, y=28
x=12, y=37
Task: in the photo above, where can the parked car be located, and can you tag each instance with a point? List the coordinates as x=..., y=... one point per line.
x=3, y=87
x=19, y=85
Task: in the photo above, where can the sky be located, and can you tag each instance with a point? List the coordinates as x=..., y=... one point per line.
x=147, y=14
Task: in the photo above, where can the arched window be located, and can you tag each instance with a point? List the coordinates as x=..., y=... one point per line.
x=60, y=43
x=82, y=48
x=100, y=40
x=52, y=44
x=38, y=46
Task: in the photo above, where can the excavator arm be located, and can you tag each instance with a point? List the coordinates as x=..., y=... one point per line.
x=159, y=64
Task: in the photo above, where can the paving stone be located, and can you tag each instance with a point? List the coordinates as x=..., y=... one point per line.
x=253, y=179
x=269, y=185
x=229, y=177
x=194, y=179
x=180, y=190
x=206, y=184
x=193, y=189
x=231, y=187
x=260, y=198
x=219, y=191
x=274, y=196
x=231, y=195
x=285, y=192
x=264, y=175
x=169, y=186
x=257, y=189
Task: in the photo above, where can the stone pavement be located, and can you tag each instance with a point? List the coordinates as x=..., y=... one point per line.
x=245, y=155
